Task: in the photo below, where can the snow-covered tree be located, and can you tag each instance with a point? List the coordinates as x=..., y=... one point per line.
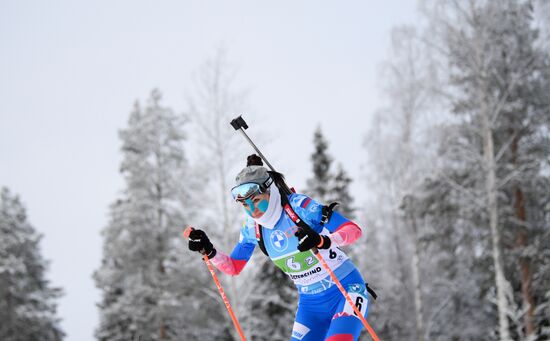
x=399, y=153
x=472, y=217
x=340, y=192
x=220, y=154
x=494, y=157
x=326, y=185
x=501, y=83
x=151, y=287
x=28, y=308
x=214, y=102
x=318, y=186
x=455, y=260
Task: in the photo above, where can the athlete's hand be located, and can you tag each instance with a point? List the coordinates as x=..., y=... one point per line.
x=198, y=241
x=308, y=239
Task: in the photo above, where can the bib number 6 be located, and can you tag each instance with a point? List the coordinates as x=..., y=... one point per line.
x=291, y=264
x=297, y=266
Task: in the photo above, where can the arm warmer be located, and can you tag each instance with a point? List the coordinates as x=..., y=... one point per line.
x=345, y=234
x=228, y=265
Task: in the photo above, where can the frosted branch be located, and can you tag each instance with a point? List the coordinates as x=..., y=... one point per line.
x=505, y=146
x=516, y=172
x=458, y=187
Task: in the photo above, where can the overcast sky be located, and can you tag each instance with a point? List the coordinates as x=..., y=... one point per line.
x=70, y=71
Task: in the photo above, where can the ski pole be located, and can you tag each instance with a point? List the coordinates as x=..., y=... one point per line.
x=240, y=124
x=219, y=286
x=346, y=295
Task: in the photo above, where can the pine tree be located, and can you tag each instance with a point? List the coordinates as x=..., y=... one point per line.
x=149, y=291
x=318, y=186
x=325, y=186
x=339, y=191
x=27, y=300
x=452, y=259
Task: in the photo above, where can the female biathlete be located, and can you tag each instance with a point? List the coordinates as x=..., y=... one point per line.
x=323, y=313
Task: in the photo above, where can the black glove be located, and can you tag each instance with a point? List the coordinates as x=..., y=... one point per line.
x=198, y=241
x=308, y=239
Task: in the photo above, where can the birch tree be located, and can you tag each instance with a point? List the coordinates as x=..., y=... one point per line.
x=495, y=69
x=397, y=154
x=215, y=101
x=498, y=76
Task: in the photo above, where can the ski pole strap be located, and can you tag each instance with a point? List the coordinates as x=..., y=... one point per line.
x=327, y=212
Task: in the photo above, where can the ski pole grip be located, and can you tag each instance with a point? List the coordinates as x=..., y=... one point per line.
x=186, y=234
x=187, y=231
x=238, y=123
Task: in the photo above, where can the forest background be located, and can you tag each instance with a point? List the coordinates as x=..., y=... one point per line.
x=430, y=123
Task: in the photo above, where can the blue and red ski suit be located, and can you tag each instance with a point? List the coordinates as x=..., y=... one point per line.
x=323, y=313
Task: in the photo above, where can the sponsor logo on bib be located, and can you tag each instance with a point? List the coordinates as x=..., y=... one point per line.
x=299, y=330
x=279, y=240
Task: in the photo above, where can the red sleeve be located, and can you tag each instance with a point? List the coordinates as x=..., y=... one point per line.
x=345, y=234
x=228, y=265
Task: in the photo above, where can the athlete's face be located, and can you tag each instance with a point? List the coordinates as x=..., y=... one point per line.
x=256, y=205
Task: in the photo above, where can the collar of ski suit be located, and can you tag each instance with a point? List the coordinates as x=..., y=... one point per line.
x=274, y=209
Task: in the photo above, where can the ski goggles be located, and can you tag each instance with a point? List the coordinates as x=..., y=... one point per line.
x=248, y=189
